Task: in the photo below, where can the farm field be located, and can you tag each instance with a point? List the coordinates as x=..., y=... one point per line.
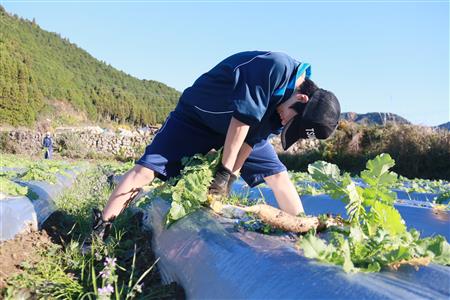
x=344, y=190
x=51, y=262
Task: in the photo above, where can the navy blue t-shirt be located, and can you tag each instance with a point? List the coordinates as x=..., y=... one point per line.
x=47, y=142
x=247, y=86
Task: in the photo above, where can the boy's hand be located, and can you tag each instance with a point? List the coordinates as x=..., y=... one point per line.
x=220, y=184
x=232, y=179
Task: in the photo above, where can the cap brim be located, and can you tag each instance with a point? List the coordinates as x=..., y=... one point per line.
x=289, y=135
x=299, y=128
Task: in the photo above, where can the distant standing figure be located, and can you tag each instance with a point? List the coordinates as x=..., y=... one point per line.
x=47, y=143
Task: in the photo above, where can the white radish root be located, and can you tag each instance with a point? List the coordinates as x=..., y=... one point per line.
x=284, y=221
x=415, y=262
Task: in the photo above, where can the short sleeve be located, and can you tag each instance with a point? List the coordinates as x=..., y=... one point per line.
x=254, y=83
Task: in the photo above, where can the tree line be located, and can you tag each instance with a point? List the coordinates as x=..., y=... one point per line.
x=37, y=66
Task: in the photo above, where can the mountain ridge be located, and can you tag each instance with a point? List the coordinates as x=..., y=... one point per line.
x=374, y=118
x=444, y=126
x=37, y=67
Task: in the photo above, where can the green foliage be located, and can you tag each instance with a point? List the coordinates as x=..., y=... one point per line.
x=379, y=179
x=376, y=195
x=329, y=175
x=11, y=188
x=118, y=168
x=45, y=171
x=191, y=190
x=418, y=151
x=445, y=196
x=418, y=185
x=305, y=184
x=243, y=199
x=377, y=235
x=14, y=161
x=50, y=278
x=357, y=252
x=69, y=146
x=252, y=223
x=66, y=272
x=37, y=66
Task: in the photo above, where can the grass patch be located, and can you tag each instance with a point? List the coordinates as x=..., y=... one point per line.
x=120, y=268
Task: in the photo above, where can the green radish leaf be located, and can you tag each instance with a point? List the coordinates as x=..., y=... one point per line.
x=190, y=191
x=386, y=217
x=377, y=236
x=314, y=247
x=373, y=267
x=176, y=211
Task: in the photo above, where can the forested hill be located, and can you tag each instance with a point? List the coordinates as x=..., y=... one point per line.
x=37, y=66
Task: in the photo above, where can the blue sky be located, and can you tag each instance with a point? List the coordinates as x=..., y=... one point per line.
x=389, y=56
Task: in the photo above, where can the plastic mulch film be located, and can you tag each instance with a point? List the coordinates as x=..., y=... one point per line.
x=46, y=193
x=17, y=215
x=20, y=214
x=212, y=260
x=427, y=221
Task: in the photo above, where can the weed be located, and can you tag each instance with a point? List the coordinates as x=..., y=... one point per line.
x=115, y=269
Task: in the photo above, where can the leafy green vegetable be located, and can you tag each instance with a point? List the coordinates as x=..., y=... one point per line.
x=11, y=188
x=377, y=236
x=14, y=161
x=45, y=171
x=379, y=179
x=305, y=184
x=191, y=188
x=439, y=187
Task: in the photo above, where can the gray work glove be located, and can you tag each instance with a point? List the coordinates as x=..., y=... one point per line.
x=222, y=182
x=100, y=227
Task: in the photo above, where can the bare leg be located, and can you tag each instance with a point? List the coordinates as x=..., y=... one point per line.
x=136, y=178
x=285, y=193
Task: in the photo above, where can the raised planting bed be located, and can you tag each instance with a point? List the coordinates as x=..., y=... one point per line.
x=19, y=214
x=212, y=260
x=371, y=251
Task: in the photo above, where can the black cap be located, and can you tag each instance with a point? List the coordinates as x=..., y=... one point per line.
x=319, y=119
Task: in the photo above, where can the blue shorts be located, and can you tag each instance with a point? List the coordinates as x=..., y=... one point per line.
x=182, y=136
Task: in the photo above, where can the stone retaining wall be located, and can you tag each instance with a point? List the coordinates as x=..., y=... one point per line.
x=82, y=142
x=79, y=142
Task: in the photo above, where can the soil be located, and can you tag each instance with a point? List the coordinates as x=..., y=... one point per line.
x=21, y=248
x=56, y=229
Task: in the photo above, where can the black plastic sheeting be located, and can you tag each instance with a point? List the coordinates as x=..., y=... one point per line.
x=212, y=260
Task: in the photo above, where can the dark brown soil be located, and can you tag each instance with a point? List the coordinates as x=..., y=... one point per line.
x=21, y=248
x=57, y=230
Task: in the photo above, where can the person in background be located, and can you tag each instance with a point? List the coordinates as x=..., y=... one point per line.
x=237, y=105
x=47, y=144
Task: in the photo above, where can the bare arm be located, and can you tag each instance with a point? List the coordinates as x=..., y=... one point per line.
x=234, y=141
x=242, y=156
x=285, y=193
x=133, y=179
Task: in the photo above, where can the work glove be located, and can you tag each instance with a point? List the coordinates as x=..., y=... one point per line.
x=100, y=227
x=222, y=182
x=232, y=179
